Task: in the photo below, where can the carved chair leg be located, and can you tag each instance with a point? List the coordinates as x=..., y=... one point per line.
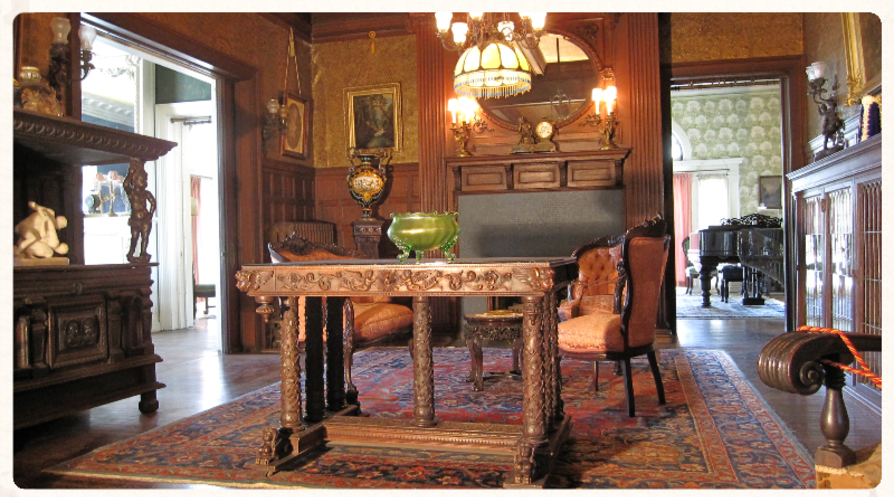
x=595, y=385
x=656, y=373
x=618, y=370
x=628, y=387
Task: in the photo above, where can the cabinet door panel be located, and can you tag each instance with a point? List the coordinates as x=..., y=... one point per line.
x=78, y=332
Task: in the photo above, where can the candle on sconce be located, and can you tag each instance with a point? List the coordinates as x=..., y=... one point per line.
x=597, y=98
x=452, y=107
x=611, y=93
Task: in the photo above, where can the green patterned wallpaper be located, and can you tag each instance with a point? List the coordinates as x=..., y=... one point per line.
x=747, y=123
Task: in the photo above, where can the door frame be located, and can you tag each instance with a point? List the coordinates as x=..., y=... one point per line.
x=238, y=152
x=789, y=70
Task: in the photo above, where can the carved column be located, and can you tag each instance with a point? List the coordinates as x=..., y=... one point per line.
x=423, y=369
x=534, y=411
x=639, y=104
x=290, y=416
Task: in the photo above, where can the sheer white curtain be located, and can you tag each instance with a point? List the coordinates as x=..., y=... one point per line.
x=173, y=300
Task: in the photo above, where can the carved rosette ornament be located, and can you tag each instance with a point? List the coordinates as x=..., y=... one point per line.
x=366, y=180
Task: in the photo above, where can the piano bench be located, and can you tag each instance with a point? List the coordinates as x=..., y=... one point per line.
x=728, y=274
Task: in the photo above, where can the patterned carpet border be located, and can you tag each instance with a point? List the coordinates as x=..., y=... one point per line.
x=714, y=432
x=690, y=307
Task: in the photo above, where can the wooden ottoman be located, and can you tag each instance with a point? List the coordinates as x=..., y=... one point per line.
x=491, y=326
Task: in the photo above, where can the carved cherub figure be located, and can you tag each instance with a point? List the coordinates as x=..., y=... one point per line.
x=37, y=234
x=142, y=208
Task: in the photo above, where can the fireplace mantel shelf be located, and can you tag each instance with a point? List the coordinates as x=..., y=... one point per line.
x=539, y=171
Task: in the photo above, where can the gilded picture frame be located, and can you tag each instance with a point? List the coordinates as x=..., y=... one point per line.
x=863, y=50
x=769, y=192
x=373, y=117
x=294, y=141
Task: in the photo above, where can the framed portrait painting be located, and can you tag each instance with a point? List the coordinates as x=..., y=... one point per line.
x=863, y=49
x=372, y=115
x=294, y=141
x=770, y=192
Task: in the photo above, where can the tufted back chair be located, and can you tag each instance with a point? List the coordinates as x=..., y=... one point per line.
x=631, y=331
x=594, y=289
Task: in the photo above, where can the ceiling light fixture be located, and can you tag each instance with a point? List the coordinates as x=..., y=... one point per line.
x=491, y=64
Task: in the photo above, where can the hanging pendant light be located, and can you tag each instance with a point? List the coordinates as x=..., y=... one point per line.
x=494, y=70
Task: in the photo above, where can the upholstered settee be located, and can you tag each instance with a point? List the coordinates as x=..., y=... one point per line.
x=594, y=289
x=375, y=319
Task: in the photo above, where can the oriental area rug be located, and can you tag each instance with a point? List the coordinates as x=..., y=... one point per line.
x=714, y=432
x=690, y=307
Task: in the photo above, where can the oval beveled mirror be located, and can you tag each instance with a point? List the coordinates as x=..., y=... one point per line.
x=565, y=71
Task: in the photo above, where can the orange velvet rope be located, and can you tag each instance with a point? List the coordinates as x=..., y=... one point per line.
x=864, y=369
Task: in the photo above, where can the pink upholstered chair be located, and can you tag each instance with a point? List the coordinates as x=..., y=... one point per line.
x=618, y=337
x=368, y=321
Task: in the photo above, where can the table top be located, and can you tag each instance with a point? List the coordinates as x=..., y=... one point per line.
x=487, y=276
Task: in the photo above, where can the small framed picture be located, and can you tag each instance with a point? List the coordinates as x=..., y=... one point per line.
x=372, y=114
x=294, y=141
x=770, y=192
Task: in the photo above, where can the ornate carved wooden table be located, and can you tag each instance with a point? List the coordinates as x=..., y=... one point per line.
x=490, y=326
x=331, y=415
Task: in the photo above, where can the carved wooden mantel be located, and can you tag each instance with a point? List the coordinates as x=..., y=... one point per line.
x=539, y=171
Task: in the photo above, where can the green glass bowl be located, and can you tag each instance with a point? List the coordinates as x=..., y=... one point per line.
x=421, y=231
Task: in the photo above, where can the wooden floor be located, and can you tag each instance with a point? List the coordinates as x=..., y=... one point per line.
x=198, y=377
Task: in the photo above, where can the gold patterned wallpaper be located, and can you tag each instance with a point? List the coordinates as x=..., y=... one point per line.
x=698, y=37
x=342, y=64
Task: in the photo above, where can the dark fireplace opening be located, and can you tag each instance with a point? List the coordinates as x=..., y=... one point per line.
x=533, y=224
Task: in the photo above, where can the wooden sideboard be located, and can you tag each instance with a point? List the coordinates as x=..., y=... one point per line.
x=539, y=171
x=838, y=248
x=81, y=332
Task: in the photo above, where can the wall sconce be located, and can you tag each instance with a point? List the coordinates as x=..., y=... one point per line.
x=276, y=122
x=608, y=95
x=827, y=106
x=57, y=74
x=465, y=121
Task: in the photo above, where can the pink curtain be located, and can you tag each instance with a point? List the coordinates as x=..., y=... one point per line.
x=195, y=188
x=682, y=221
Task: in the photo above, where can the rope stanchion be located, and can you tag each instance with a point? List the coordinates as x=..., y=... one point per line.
x=864, y=369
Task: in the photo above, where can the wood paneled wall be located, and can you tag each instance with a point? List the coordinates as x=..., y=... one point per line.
x=288, y=193
x=334, y=203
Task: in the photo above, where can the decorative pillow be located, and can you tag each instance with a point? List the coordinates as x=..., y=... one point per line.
x=593, y=332
x=373, y=321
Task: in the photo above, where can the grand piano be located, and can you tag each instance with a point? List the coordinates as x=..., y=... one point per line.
x=755, y=241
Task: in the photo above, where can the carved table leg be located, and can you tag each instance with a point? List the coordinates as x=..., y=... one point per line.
x=533, y=422
x=348, y=353
x=423, y=370
x=335, y=363
x=477, y=360
x=555, y=406
x=313, y=359
x=278, y=445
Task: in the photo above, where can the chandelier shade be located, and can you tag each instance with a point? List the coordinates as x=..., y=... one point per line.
x=494, y=70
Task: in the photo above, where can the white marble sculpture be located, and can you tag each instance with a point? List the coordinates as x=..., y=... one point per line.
x=37, y=234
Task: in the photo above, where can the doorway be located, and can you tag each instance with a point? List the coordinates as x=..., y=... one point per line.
x=144, y=93
x=727, y=142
